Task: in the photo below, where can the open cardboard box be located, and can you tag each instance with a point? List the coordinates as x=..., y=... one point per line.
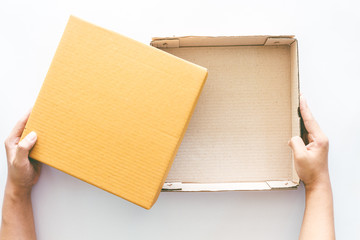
x=113, y=112
x=248, y=110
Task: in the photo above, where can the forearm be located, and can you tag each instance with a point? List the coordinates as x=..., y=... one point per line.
x=17, y=215
x=318, y=222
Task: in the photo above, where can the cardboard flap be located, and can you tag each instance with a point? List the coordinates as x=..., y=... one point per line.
x=205, y=41
x=278, y=41
x=215, y=187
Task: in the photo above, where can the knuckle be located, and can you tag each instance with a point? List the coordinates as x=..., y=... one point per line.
x=295, y=138
x=295, y=141
x=323, y=142
x=21, y=146
x=6, y=142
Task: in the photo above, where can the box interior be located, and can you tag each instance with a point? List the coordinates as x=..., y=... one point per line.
x=237, y=137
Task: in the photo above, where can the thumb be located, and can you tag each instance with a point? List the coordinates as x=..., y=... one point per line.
x=25, y=145
x=298, y=147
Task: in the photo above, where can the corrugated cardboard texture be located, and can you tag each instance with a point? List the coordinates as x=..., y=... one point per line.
x=113, y=111
x=245, y=115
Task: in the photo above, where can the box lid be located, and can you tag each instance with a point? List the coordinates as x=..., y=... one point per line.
x=112, y=111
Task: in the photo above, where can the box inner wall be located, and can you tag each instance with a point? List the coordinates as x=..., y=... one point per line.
x=242, y=122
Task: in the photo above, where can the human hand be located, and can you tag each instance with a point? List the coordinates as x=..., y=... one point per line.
x=311, y=160
x=23, y=172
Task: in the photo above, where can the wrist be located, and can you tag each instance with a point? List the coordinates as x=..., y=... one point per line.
x=320, y=183
x=17, y=193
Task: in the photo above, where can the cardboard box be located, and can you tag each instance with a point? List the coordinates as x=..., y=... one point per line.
x=113, y=111
x=248, y=110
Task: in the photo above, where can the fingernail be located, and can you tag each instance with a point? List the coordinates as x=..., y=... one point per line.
x=31, y=136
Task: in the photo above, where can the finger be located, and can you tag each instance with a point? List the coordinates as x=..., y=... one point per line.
x=298, y=147
x=19, y=127
x=304, y=132
x=310, y=124
x=25, y=145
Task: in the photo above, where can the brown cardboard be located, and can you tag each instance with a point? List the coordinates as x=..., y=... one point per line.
x=248, y=110
x=113, y=111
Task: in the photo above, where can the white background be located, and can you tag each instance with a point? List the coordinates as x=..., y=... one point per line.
x=66, y=208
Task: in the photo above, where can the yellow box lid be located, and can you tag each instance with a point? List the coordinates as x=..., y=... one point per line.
x=113, y=111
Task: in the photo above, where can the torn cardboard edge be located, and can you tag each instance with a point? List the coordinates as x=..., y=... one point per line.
x=267, y=40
